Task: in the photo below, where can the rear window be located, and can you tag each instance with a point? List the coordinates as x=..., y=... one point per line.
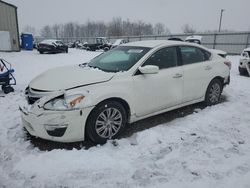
x=192, y=55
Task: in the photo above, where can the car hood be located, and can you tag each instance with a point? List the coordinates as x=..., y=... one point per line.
x=69, y=77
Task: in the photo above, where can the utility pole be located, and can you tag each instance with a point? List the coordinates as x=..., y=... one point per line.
x=221, y=12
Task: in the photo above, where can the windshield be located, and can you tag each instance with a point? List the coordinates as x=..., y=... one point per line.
x=119, y=59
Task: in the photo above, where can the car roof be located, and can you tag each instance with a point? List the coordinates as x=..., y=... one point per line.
x=194, y=37
x=50, y=40
x=247, y=49
x=155, y=43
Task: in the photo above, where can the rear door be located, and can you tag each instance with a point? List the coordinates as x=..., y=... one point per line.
x=197, y=72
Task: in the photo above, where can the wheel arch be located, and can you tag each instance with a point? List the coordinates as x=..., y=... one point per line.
x=218, y=78
x=215, y=78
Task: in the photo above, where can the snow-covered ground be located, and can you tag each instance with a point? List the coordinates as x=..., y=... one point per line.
x=209, y=148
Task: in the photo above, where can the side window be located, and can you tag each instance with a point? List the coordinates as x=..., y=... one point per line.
x=163, y=58
x=193, y=55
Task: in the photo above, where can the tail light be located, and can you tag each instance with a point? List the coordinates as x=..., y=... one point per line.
x=229, y=64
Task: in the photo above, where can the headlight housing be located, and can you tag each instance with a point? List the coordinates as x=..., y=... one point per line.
x=65, y=102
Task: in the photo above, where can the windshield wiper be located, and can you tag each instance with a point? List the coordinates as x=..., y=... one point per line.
x=83, y=65
x=95, y=67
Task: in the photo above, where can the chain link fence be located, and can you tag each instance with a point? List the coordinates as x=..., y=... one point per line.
x=232, y=43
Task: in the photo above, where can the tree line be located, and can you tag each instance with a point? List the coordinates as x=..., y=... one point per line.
x=116, y=27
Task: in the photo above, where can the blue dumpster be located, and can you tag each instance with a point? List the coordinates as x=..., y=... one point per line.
x=27, y=41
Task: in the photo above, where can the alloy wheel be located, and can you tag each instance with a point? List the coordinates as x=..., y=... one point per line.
x=108, y=123
x=214, y=93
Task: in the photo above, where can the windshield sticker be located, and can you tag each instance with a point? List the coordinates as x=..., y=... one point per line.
x=136, y=51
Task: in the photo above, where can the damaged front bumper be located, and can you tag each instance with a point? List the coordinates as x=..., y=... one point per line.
x=60, y=126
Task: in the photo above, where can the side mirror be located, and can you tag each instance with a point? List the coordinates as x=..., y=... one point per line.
x=149, y=69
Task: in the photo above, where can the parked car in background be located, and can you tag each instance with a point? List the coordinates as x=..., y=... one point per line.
x=118, y=42
x=175, y=39
x=131, y=82
x=52, y=46
x=197, y=39
x=71, y=45
x=194, y=39
x=101, y=43
x=244, y=65
x=35, y=43
x=220, y=52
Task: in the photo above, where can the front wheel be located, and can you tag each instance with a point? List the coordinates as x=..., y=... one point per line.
x=213, y=92
x=106, y=121
x=242, y=71
x=106, y=49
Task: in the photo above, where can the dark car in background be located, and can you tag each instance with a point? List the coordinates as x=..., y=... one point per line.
x=101, y=43
x=52, y=46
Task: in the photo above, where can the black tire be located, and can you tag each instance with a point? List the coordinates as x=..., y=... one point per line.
x=243, y=72
x=67, y=50
x=106, y=49
x=41, y=52
x=7, y=89
x=117, y=111
x=213, y=92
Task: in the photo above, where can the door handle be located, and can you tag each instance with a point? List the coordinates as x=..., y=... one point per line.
x=208, y=67
x=178, y=75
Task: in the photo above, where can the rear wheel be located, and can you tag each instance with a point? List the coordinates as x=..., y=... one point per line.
x=213, y=92
x=106, y=121
x=7, y=89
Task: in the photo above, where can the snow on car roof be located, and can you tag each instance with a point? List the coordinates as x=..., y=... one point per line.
x=117, y=42
x=153, y=43
x=194, y=37
x=49, y=41
x=218, y=51
x=247, y=49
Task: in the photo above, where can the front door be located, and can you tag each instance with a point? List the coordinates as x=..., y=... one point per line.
x=156, y=92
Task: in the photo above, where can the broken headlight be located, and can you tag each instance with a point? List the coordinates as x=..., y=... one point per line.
x=64, y=102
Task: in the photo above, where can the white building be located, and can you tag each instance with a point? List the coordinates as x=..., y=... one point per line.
x=9, y=33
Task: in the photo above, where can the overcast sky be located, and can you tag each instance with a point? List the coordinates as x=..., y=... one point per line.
x=201, y=14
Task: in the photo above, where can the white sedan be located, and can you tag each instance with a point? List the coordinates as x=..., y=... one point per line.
x=136, y=80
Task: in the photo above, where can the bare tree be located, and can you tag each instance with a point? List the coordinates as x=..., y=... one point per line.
x=159, y=29
x=115, y=27
x=29, y=29
x=167, y=31
x=55, y=29
x=188, y=29
x=46, y=31
x=69, y=29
